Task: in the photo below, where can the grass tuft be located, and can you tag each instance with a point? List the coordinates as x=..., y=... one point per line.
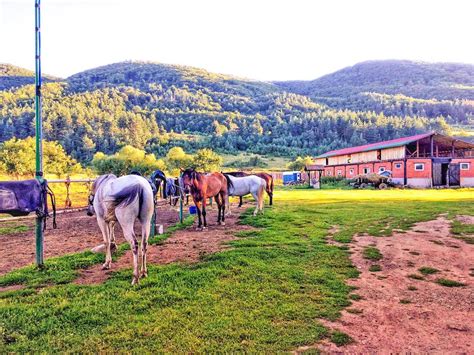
x=426, y=270
x=339, y=338
x=372, y=253
x=449, y=283
x=416, y=277
x=405, y=301
x=375, y=268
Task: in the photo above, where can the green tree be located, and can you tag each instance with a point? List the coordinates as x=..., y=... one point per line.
x=17, y=158
x=126, y=159
x=177, y=159
x=207, y=160
x=299, y=163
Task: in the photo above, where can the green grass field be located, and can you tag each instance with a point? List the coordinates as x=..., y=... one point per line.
x=265, y=294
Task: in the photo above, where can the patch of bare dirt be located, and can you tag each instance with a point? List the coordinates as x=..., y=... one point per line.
x=465, y=219
x=436, y=319
x=330, y=237
x=76, y=232
x=11, y=288
x=187, y=245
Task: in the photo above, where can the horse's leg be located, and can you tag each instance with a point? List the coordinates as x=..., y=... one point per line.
x=257, y=200
x=198, y=207
x=216, y=198
x=262, y=198
x=204, y=213
x=146, y=224
x=127, y=219
x=228, y=206
x=105, y=234
x=224, y=198
x=113, y=243
x=241, y=201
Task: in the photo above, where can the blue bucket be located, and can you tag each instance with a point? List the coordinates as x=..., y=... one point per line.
x=192, y=210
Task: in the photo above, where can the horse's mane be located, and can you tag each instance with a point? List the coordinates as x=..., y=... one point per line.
x=229, y=181
x=237, y=173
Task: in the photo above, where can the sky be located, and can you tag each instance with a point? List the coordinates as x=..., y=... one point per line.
x=257, y=39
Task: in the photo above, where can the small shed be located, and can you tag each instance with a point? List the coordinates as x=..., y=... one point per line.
x=291, y=177
x=314, y=172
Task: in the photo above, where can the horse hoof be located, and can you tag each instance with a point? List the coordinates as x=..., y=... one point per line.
x=222, y=223
x=144, y=274
x=135, y=281
x=106, y=266
x=199, y=229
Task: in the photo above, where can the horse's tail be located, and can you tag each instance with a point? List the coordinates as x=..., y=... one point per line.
x=127, y=196
x=261, y=191
x=270, y=189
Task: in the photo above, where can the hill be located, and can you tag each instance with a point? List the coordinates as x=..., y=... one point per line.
x=396, y=87
x=12, y=77
x=155, y=106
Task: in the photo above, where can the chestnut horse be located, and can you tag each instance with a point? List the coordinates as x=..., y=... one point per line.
x=267, y=177
x=204, y=186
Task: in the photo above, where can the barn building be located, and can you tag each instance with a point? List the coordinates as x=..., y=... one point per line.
x=424, y=160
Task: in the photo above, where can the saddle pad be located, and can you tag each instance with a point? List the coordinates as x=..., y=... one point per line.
x=8, y=200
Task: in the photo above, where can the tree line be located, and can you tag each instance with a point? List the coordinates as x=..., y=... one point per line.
x=155, y=107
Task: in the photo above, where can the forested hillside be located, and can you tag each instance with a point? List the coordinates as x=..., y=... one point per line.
x=402, y=88
x=154, y=107
x=12, y=76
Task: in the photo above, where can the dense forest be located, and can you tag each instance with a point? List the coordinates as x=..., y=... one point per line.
x=401, y=88
x=155, y=107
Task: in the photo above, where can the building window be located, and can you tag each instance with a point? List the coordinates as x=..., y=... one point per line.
x=398, y=166
x=464, y=166
x=351, y=171
x=339, y=173
x=366, y=170
x=328, y=173
x=381, y=169
x=419, y=166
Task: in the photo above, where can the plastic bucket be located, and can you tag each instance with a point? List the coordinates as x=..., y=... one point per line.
x=192, y=209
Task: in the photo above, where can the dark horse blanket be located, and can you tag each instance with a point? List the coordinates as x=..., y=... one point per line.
x=20, y=198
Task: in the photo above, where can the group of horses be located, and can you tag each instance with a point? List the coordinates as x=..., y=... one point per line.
x=124, y=199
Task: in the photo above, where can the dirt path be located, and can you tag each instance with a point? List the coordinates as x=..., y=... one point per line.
x=187, y=245
x=401, y=314
x=76, y=232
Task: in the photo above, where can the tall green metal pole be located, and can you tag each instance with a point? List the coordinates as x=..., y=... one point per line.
x=39, y=129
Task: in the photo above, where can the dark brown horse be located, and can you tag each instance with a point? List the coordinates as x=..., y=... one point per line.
x=267, y=177
x=204, y=186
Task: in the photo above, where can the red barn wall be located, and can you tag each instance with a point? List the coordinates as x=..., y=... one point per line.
x=467, y=176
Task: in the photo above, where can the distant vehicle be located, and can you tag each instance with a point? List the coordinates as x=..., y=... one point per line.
x=292, y=178
x=380, y=181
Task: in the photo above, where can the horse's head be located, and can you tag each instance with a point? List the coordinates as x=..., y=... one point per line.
x=95, y=187
x=158, y=177
x=188, y=176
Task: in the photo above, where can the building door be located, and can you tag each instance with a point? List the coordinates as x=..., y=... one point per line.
x=439, y=174
x=454, y=173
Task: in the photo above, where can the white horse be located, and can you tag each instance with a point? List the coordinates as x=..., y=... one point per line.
x=241, y=186
x=124, y=200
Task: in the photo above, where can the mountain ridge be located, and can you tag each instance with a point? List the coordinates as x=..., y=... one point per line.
x=155, y=106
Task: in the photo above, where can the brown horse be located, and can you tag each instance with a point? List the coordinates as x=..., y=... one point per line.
x=267, y=177
x=204, y=186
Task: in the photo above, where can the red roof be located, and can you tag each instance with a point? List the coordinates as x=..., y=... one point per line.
x=373, y=146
